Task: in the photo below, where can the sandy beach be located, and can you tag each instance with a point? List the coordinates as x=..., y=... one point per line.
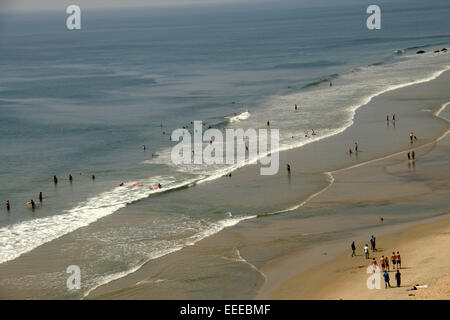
x=282, y=250
x=423, y=247
x=287, y=250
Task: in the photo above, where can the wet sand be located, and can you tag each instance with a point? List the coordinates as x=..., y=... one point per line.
x=258, y=257
x=285, y=250
x=423, y=246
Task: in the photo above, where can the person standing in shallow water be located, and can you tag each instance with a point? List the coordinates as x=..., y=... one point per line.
x=70, y=178
x=55, y=180
x=8, y=207
x=40, y=196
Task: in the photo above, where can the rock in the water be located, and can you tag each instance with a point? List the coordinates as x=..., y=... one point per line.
x=420, y=52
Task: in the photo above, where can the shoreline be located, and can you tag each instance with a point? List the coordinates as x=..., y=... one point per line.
x=294, y=193
x=330, y=279
x=83, y=220
x=243, y=225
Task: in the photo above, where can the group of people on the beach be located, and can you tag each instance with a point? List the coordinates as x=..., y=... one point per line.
x=32, y=203
x=384, y=262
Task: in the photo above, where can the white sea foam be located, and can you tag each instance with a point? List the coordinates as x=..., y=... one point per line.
x=242, y=116
x=25, y=236
x=213, y=228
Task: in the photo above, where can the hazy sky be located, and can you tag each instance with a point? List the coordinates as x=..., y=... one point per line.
x=62, y=4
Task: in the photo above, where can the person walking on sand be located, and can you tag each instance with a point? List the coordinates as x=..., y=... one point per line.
x=374, y=263
x=366, y=251
x=386, y=262
x=393, y=117
x=398, y=278
x=353, y=249
x=372, y=243
x=399, y=261
x=411, y=137
x=409, y=155
x=413, y=154
x=382, y=264
x=394, y=260
x=386, y=280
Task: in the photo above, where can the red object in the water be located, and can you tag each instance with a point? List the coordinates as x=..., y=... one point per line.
x=121, y=185
x=137, y=185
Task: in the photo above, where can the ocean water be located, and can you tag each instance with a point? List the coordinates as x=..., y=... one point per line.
x=84, y=103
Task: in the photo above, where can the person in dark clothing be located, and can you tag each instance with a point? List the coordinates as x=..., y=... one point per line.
x=70, y=178
x=353, y=249
x=32, y=204
x=398, y=277
x=288, y=167
x=8, y=206
x=55, y=180
x=40, y=196
x=386, y=280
